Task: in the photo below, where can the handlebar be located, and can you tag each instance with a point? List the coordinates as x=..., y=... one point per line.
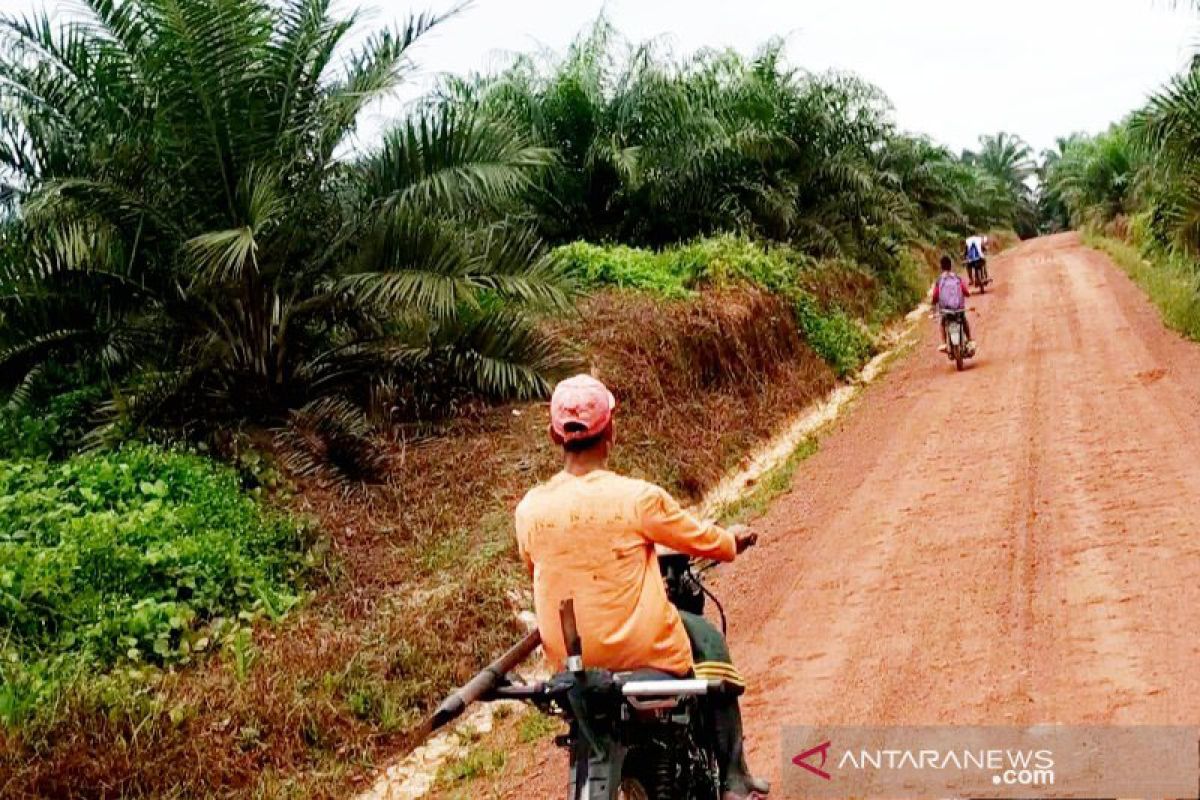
x=666, y=552
x=663, y=551
x=531, y=691
x=678, y=687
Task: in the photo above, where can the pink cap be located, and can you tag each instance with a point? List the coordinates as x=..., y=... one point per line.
x=580, y=407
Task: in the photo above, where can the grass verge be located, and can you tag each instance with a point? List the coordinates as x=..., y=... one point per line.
x=1170, y=280
x=775, y=483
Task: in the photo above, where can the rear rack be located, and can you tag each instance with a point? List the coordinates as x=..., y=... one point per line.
x=684, y=687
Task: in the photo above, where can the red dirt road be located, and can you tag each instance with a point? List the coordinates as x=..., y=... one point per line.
x=1013, y=544
x=1010, y=545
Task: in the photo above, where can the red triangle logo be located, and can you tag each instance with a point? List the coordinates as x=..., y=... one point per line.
x=802, y=760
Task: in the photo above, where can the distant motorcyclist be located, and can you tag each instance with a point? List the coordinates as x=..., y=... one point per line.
x=590, y=534
x=974, y=253
x=950, y=294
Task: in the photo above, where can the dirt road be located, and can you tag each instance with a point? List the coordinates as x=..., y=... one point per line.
x=1013, y=544
x=1017, y=543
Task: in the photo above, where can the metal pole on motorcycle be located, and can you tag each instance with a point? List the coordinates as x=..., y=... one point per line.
x=487, y=679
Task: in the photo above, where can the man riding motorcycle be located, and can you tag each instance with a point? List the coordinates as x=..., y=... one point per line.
x=949, y=295
x=974, y=253
x=590, y=534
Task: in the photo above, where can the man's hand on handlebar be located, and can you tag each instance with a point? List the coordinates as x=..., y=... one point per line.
x=742, y=535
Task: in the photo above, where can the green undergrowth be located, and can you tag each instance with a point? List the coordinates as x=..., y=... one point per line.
x=1170, y=279
x=479, y=762
x=58, y=427
x=833, y=334
x=536, y=726
x=836, y=303
x=134, y=560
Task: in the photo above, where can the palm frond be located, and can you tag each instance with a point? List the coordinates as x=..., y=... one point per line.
x=331, y=439
x=413, y=263
x=372, y=71
x=503, y=356
x=232, y=254
x=452, y=160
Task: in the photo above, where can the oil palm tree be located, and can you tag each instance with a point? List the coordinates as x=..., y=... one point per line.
x=189, y=228
x=1007, y=157
x=1053, y=213
x=934, y=182
x=1008, y=160
x=1168, y=130
x=654, y=150
x=1094, y=177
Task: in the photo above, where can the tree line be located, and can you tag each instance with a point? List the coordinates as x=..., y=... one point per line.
x=188, y=230
x=1140, y=177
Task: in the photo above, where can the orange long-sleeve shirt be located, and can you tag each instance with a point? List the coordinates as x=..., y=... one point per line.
x=592, y=538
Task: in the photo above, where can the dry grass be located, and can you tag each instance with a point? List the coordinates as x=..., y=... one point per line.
x=699, y=383
x=1118, y=228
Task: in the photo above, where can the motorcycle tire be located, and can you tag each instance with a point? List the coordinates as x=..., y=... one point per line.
x=958, y=358
x=632, y=789
x=659, y=780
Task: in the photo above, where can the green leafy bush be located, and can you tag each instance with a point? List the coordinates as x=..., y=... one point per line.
x=836, y=337
x=50, y=431
x=593, y=266
x=137, y=556
x=676, y=271
x=904, y=287
x=723, y=261
x=26, y=435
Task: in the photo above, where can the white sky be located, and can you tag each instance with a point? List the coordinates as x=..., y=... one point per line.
x=952, y=68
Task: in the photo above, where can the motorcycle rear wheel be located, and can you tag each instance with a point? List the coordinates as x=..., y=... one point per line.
x=632, y=789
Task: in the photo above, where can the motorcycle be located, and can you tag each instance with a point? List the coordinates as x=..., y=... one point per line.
x=977, y=273
x=958, y=347
x=637, y=735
